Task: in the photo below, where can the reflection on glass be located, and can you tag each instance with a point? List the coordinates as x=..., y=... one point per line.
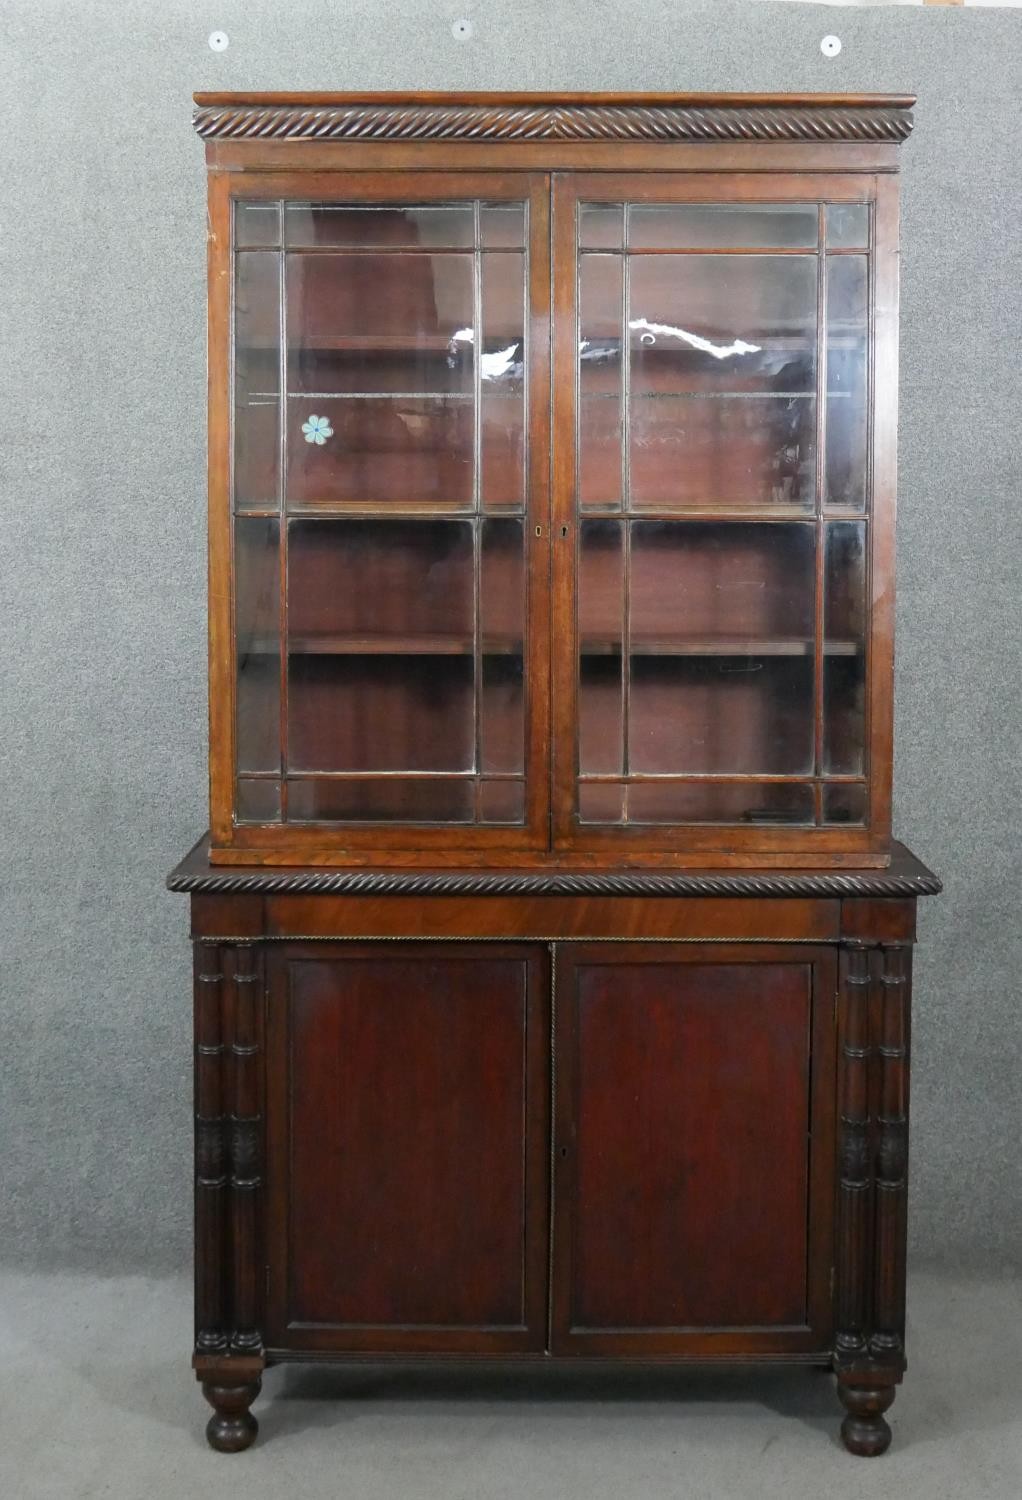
x=847, y=339
x=257, y=638
x=847, y=226
x=701, y=587
x=256, y=224
x=376, y=712
x=380, y=585
x=601, y=802
x=502, y=380
x=729, y=452
x=382, y=452
x=373, y=323
x=256, y=380
x=844, y=675
x=502, y=801
x=387, y=226
x=744, y=714
x=258, y=801
x=746, y=323
x=601, y=226
x=708, y=226
x=502, y=226
x=844, y=803
x=502, y=614
x=723, y=375
x=714, y=802
x=398, y=799
x=600, y=632
x=601, y=313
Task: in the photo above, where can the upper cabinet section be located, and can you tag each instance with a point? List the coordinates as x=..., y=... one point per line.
x=552, y=458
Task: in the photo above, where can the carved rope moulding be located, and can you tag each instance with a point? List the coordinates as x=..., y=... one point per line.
x=556, y=122
x=377, y=882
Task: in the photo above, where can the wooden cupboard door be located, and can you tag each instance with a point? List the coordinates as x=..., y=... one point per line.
x=408, y=1147
x=694, y=1124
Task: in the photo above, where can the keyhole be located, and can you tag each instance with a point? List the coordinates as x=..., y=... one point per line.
x=564, y=531
x=564, y=1150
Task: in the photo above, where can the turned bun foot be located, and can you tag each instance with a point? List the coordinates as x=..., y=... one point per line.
x=232, y=1427
x=864, y=1430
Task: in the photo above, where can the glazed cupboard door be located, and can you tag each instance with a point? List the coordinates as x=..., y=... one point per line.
x=724, y=503
x=694, y=1133
x=408, y=1147
x=379, y=393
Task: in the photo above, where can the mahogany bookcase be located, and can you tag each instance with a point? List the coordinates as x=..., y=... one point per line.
x=552, y=951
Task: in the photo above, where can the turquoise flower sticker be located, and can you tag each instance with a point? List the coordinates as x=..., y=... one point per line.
x=317, y=430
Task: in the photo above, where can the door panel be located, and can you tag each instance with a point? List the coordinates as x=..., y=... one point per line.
x=408, y=1146
x=715, y=342
x=693, y=1136
x=388, y=514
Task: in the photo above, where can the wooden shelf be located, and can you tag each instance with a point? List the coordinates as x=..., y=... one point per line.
x=706, y=646
x=462, y=645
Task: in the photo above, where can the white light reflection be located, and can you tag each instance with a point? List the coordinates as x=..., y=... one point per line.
x=649, y=331
x=491, y=366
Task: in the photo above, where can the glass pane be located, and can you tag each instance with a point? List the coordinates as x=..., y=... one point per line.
x=723, y=453
x=395, y=712
x=502, y=226
x=700, y=588
x=721, y=648
x=380, y=585
x=256, y=381
x=601, y=630
x=847, y=226
x=502, y=381
x=380, y=666
x=702, y=226
x=397, y=226
x=380, y=453
x=847, y=342
x=502, y=603
x=398, y=799
x=258, y=801
x=601, y=226
x=844, y=803
x=601, y=802
x=844, y=716
x=256, y=224
x=373, y=323
x=716, y=802
x=601, y=315
x=502, y=802
x=257, y=635
x=723, y=378
x=745, y=714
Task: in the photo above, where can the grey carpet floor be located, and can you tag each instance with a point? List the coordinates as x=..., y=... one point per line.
x=96, y=1400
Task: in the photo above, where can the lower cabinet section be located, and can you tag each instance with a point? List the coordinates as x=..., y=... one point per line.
x=409, y=1147
x=675, y=1149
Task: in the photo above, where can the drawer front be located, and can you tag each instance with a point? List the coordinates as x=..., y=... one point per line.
x=694, y=1130
x=408, y=1130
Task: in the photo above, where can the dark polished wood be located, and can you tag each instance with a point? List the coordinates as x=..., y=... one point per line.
x=411, y=1215
x=683, y=1206
x=552, y=982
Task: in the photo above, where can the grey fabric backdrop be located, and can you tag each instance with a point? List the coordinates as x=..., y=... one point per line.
x=101, y=467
